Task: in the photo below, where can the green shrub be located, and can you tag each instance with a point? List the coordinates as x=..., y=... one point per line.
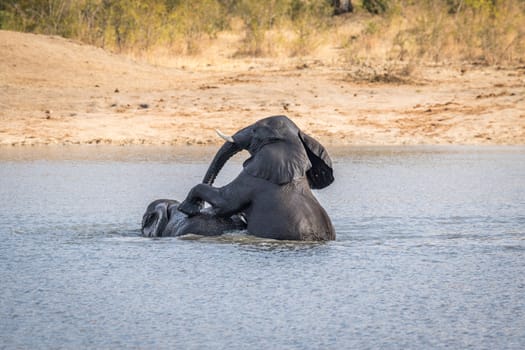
x=308, y=18
x=192, y=20
x=489, y=31
x=376, y=6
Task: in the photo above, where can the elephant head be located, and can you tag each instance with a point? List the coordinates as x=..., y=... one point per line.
x=280, y=152
x=163, y=219
x=156, y=218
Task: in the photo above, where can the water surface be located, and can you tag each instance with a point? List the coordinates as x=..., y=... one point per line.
x=430, y=253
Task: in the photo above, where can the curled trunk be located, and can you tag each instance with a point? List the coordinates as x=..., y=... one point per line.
x=227, y=151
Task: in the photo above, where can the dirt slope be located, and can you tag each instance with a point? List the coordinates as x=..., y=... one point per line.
x=57, y=91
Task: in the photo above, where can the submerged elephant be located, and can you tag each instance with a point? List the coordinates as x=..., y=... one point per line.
x=273, y=191
x=162, y=218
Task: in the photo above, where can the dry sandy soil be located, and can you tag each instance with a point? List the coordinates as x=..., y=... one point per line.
x=57, y=91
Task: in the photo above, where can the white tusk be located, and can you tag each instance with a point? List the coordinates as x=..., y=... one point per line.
x=223, y=136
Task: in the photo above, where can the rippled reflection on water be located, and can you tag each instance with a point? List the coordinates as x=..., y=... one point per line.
x=430, y=253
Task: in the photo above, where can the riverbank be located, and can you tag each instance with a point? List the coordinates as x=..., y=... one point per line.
x=57, y=91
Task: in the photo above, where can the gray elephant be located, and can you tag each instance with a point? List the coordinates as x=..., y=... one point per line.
x=273, y=191
x=162, y=218
x=342, y=6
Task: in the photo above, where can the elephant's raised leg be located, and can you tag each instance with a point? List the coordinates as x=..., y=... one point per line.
x=226, y=201
x=162, y=218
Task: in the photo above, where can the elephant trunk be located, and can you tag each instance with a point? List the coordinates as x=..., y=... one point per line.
x=228, y=150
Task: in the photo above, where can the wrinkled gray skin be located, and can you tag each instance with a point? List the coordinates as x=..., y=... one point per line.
x=274, y=189
x=162, y=219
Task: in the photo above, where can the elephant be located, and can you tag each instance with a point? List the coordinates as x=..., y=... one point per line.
x=162, y=218
x=273, y=191
x=342, y=6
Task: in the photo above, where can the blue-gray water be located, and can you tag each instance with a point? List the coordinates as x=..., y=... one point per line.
x=430, y=254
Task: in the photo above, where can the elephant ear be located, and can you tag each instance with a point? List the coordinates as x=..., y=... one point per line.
x=279, y=163
x=321, y=174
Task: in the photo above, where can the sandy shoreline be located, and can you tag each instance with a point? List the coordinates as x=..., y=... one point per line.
x=54, y=91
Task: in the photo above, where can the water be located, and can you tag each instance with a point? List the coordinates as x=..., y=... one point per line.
x=430, y=253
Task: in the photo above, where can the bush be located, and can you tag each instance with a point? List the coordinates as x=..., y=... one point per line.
x=307, y=18
x=192, y=20
x=42, y=16
x=489, y=31
x=376, y=6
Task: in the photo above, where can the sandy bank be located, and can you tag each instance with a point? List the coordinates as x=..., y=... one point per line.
x=56, y=91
